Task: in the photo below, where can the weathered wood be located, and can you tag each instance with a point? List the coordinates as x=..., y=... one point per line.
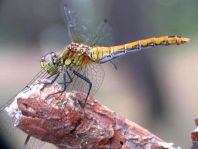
x=61, y=120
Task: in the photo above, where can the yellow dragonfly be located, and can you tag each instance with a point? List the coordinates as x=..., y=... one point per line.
x=78, y=66
x=79, y=63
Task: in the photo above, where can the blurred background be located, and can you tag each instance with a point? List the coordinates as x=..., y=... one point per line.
x=156, y=88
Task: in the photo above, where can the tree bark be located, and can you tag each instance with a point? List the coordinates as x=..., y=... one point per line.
x=60, y=119
x=194, y=136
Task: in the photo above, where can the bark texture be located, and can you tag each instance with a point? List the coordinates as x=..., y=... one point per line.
x=60, y=119
x=194, y=136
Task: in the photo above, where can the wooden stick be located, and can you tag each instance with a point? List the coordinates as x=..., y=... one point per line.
x=61, y=120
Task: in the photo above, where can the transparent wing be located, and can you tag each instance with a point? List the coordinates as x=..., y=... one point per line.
x=103, y=35
x=7, y=123
x=77, y=29
x=94, y=72
x=79, y=32
x=39, y=76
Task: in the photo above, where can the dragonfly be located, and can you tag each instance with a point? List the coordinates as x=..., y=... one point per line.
x=78, y=66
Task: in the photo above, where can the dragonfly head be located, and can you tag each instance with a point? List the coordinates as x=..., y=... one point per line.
x=49, y=63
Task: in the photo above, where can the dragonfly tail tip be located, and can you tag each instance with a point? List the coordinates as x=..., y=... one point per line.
x=184, y=40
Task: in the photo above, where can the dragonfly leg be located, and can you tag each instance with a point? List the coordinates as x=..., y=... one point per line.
x=70, y=79
x=26, y=141
x=114, y=65
x=65, y=82
x=47, y=81
x=86, y=80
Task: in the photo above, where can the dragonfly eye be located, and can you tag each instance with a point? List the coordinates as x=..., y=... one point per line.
x=49, y=63
x=53, y=54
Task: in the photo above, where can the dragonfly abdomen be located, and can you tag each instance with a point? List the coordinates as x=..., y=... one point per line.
x=104, y=54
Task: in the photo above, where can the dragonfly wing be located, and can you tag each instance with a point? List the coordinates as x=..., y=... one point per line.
x=7, y=123
x=94, y=72
x=79, y=32
x=39, y=76
x=103, y=35
x=77, y=29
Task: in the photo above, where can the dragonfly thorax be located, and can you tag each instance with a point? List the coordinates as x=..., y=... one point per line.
x=50, y=63
x=78, y=47
x=75, y=54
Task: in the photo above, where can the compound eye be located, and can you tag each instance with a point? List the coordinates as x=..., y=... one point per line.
x=53, y=54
